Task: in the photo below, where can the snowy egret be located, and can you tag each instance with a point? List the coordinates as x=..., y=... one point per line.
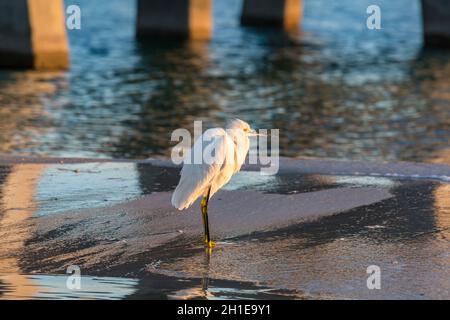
x=206, y=178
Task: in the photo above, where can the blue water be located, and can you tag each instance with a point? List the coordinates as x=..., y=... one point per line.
x=333, y=88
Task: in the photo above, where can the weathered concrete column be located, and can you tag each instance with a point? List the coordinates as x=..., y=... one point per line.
x=33, y=34
x=436, y=22
x=174, y=18
x=278, y=13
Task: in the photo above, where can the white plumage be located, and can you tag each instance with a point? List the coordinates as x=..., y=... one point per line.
x=230, y=150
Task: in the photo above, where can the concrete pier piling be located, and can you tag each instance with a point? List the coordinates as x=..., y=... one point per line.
x=276, y=13
x=174, y=18
x=33, y=34
x=436, y=22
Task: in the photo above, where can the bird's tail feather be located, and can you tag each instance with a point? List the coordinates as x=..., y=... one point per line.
x=183, y=198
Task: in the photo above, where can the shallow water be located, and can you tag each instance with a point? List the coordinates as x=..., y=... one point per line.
x=334, y=89
x=13, y=286
x=406, y=235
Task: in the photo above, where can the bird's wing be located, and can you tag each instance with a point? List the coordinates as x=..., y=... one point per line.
x=241, y=150
x=197, y=177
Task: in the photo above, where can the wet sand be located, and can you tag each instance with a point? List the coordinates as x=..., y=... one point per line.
x=283, y=236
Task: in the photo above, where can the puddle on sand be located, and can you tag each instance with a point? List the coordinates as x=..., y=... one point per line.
x=159, y=286
x=152, y=286
x=70, y=187
x=13, y=286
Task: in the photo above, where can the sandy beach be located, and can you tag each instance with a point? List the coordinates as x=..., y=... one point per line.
x=275, y=234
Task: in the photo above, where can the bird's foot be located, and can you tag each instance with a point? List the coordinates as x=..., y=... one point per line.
x=210, y=244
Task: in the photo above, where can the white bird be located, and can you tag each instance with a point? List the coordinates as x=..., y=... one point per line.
x=205, y=178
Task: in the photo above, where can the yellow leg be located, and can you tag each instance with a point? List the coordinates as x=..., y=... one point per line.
x=204, y=205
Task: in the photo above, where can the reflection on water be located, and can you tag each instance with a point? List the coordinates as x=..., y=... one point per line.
x=17, y=205
x=54, y=287
x=88, y=185
x=21, y=197
x=23, y=116
x=442, y=212
x=335, y=89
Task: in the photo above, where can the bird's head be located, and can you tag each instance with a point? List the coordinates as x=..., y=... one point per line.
x=237, y=124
